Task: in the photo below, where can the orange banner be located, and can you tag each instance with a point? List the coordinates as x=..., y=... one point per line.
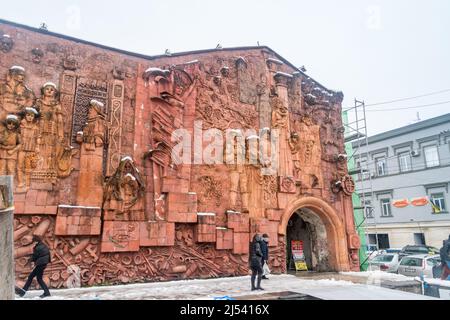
x=422, y=201
x=400, y=203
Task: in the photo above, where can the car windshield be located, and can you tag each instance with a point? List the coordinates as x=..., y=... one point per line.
x=383, y=258
x=433, y=261
x=411, y=262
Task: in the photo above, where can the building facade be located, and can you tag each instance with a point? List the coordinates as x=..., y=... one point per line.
x=111, y=150
x=410, y=176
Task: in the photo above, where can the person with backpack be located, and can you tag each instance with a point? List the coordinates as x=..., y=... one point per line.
x=41, y=258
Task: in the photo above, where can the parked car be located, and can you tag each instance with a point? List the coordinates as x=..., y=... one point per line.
x=372, y=251
x=418, y=249
x=393, y=250
x=418, y=265
x=384, y=262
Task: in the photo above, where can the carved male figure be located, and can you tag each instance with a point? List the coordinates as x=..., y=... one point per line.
x=14, y=95
x=10, y=144
x=29, y=129
x=51, y=127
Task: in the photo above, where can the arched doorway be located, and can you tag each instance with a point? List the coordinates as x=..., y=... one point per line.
x=322, y=229
x=306, y=226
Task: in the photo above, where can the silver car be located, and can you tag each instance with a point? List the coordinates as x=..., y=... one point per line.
x=384, y=262
x=418, y=265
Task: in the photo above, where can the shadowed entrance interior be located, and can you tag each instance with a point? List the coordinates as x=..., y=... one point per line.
x=306, y=226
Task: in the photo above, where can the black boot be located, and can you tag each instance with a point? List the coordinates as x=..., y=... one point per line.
x=253, y=278
x=19, y=291
x=258, y=284
x=42, y=296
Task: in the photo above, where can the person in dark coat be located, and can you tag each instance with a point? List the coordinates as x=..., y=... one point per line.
x=445, y=259
x=256, y=257
x=265, y=251
x=41, y=258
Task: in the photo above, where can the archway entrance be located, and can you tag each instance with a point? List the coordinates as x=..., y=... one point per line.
x=305, y=226
x=322, y=230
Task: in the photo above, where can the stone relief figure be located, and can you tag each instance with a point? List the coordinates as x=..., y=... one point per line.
x=92, y=140
x=235, y=154
x=255, y=179
x=28, y=153
x=124, y=192
x=51, y=132
x=294, y=145
x=280, y=121
x=15, y=96
x=10, y=143
x=310, y=153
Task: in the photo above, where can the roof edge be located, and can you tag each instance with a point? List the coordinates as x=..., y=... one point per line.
x=407, y=129
x=154, y=57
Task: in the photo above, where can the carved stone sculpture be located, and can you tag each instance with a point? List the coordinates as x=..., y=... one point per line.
x=124, y=192
x=92, y=139
x=6, y=43
x=51, y=132
x=14, y=94
x=10, y=144
x=28, y=153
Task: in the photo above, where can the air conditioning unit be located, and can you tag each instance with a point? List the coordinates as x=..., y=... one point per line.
x=415, y=152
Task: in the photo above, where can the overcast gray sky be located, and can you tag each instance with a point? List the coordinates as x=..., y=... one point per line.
x=371, y=50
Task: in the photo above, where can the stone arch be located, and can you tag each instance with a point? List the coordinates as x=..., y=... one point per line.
x=337, y=244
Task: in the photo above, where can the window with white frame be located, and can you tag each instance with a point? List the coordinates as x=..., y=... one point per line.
x=368, y=209
x=431, y=156
x=381, y=166
x=386, y=208
x=404, y=160
x=439, y=201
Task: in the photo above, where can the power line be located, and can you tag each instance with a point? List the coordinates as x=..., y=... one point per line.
x=403, y=108
x=409, y=98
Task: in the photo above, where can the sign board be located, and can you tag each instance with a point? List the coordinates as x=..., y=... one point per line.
x=298, y=255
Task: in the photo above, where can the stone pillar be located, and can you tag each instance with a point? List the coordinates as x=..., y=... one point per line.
x=6, y=238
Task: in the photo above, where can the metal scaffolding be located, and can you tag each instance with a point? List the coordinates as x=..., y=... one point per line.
x=356, y=133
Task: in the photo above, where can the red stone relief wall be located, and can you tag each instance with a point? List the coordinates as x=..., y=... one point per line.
x=107, y=196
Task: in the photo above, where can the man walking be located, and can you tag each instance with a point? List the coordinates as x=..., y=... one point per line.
x=40, y=257
x=265, y=253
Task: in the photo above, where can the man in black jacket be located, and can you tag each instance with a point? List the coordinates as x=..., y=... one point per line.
x=265, y=251
x=256, y=262
x=40, y=257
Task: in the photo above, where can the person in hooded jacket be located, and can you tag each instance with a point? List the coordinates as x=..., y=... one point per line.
x=256, y=257
x=41, y=258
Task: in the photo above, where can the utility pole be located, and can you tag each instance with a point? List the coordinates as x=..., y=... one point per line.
x=6, y=238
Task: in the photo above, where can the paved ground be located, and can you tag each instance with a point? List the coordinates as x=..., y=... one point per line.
x=327, y=287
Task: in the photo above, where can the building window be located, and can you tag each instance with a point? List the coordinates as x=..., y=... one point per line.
x=381, y=166
x=405, y=161
x=438, y=201
x=431, y=156
x=382, y=239
x=419, y=239
x=386, y=208
x=368, y=209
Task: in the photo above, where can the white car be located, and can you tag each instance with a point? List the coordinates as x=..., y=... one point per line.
x=384, y=262
x=418, y=265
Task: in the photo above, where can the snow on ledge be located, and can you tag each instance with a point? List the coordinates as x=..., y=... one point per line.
x=71, y=206
x=206, y=214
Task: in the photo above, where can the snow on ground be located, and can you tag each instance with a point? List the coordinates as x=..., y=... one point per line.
x=208, y=289
x=379, y=275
